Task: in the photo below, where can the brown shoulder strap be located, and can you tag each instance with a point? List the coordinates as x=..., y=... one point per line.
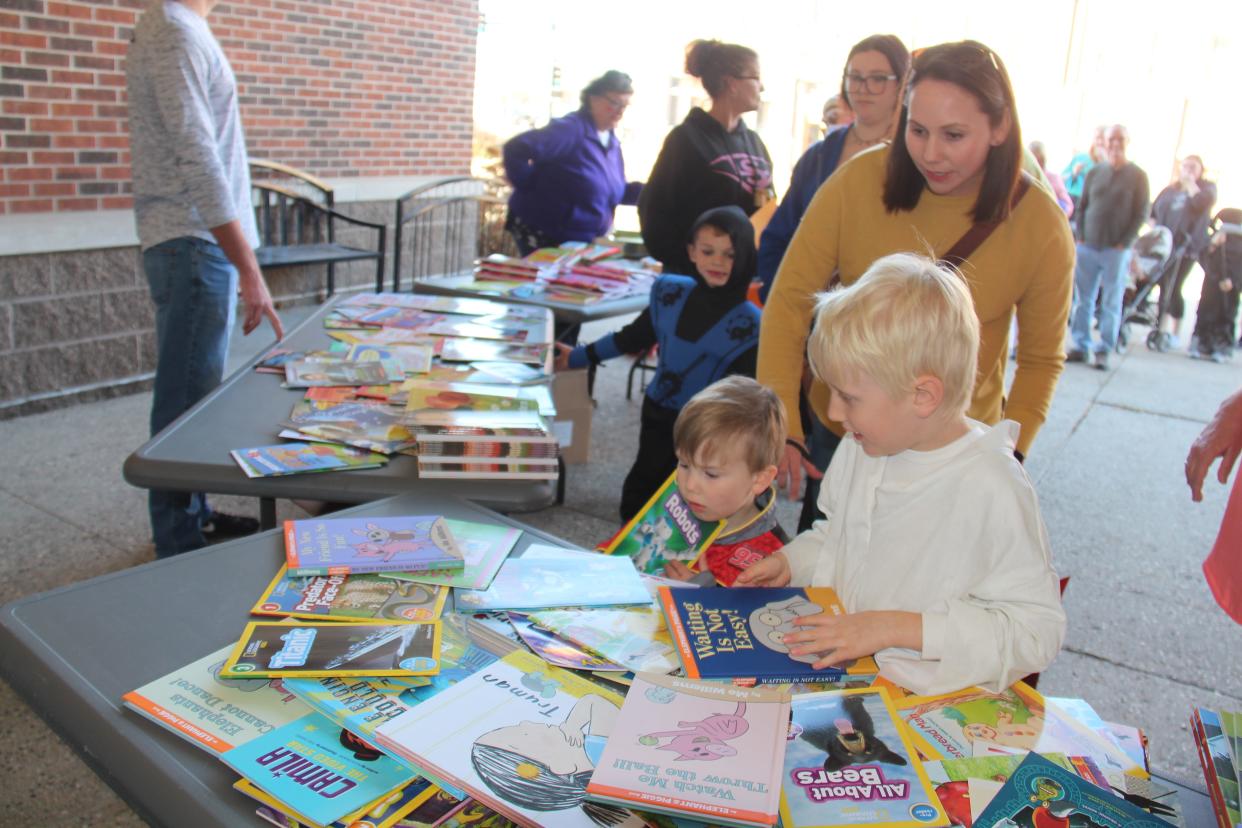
x=979, y=231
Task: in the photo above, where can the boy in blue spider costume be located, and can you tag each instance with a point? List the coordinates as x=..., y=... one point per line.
x=705, y=329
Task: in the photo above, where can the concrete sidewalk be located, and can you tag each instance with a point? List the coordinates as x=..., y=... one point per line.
x=1146, y=640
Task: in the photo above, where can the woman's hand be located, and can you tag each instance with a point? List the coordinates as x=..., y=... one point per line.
x=771, y=571
x=1221, y=438
x=561, y=363
x=792, y=466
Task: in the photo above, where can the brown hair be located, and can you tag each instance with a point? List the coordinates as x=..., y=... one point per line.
x=711, y=61
x=734, y=410
x=979, y=71
x=894, y=51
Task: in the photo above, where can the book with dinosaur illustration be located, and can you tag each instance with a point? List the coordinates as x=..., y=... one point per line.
x=520, y=736
x=272, y=649
x=335, y=546
x=346, y=597
x=1040, y=792
x=737, y=633
x=210, y=712
x=848, y=762
x=663, y=530
x=691, y=748
x=317, y=769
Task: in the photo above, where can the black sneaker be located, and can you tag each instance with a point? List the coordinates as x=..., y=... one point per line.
x=222, y=525
x=1076, y=356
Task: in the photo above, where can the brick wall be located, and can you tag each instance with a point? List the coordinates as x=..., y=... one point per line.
x=340, y=88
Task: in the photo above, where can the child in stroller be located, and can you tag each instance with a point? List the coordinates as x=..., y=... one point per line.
x=1153, y=260
x=1214, y=334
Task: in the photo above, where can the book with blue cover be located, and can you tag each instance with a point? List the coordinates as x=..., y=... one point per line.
x=345, y=546
x=737, y=633
x=307, y=765
x=484, y=547
x=303, y=458
x=583, y=580
x=1040, y=793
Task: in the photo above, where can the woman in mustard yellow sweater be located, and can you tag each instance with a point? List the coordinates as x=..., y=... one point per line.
x=955, y=161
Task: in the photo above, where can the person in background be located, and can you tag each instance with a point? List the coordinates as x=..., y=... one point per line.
x=706, y=329
x=1058, y=186
x=1216, y=318
x=197, y=232
x=935, y=542
x=837, y=112
x=711, y=159
x=569, y=176
x=1222, y=439
x=1185, y=207
x=951, y=180
x=871, y=83
x=1112, y=208
x=1075, y=172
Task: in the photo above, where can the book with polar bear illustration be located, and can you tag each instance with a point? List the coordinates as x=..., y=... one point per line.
x=737, y=633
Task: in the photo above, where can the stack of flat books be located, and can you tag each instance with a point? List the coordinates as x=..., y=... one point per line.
x=508, y=445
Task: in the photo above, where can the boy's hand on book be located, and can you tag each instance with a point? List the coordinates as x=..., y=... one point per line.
x=678, y=571
x=772, y=571
x=843, y=638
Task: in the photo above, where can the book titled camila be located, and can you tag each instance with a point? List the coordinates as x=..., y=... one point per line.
x=738, y=633
x=271, y=649
x=344, y=546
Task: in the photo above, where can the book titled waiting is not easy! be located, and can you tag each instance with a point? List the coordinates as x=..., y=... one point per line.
x=738, y=633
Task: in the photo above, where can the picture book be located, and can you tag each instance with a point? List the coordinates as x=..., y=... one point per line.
x=589, y=579
x=637, y=638
x=360, y=423
x=345, y=597
x=953, y=725
x=304, y=373
x=518, y=735
x=484, y=547
x=413, y=358
x=468, y=396
x=515, y=373
x=315, y=768
x=276, y=650
x=214, y=713
x=737, y=633
x=555, y=650
x=332, y=546
x=422, y=301
x=966, y=786
x=432, y=450
x=1219, y=769
x=390, y=810
x=1039, y=793
x=477, y=329
x=500, y=469
x=709, y=751
x=663, y=530
x=482, y=350
x=301, y=458
x=847, y=761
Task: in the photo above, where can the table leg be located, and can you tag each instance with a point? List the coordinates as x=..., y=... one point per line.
x=560, y=481
x=267, y=513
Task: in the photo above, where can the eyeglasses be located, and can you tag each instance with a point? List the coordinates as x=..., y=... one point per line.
x=616, y=104
x=755, y=78
x=874, y=84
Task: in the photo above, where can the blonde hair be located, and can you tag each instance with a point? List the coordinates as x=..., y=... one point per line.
x=907, y=316
x=730, y=411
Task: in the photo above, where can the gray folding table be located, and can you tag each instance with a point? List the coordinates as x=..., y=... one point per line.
x=192, y=453
x=567, y=313
x=72, y=652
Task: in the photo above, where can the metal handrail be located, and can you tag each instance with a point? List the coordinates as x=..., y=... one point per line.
x=459, y=211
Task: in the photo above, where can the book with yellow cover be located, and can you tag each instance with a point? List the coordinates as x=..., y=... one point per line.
x=274, y=649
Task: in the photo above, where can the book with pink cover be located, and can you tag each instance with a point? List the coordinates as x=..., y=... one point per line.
x=712, y=752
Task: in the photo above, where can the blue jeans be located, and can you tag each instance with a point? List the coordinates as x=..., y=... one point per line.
x=194, y=288
x=1098, y=273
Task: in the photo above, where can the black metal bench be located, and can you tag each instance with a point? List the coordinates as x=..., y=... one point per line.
x=296, y=217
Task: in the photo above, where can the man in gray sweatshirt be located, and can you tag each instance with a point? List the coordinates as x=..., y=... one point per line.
x=1113, y=205
x=196, y=229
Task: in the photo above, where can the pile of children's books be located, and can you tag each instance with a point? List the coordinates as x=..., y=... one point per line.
x=460, y=383
x=420, y=675
x=575, y=272
x=1218, y=736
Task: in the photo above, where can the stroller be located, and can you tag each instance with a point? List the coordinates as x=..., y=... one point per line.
x=1154, y=262
x=1214, y=335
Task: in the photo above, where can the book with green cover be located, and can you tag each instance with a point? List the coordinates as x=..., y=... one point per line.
x=335, y=546
x=347, y=597
x=663, y=530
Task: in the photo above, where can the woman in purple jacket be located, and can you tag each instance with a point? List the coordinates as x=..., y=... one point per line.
x=568, y=177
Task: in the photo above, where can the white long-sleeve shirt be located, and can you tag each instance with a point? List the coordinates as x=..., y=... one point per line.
x=953, y=534
x=189, y=160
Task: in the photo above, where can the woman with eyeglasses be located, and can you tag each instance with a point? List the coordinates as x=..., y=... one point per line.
x=569, y=176
x=871, y=83
x=951, y=180
x=711, y=159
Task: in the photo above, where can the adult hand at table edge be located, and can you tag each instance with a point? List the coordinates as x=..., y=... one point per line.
x=792, y=466
x=1222, y=438
x=256, y=300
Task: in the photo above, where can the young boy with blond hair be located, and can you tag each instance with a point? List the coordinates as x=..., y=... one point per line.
x=728, y=439
x=932, y=536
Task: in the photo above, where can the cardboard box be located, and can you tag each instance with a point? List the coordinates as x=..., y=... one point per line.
x=574, y=409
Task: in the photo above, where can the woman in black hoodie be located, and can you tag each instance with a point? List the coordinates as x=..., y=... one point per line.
x=711, y=159
x=706, y=329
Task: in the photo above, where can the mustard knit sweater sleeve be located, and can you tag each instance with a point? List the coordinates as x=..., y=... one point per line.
x=1025, y=268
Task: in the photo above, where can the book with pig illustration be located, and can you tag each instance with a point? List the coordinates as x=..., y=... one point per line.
x=691, y=748
x=344, y=546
